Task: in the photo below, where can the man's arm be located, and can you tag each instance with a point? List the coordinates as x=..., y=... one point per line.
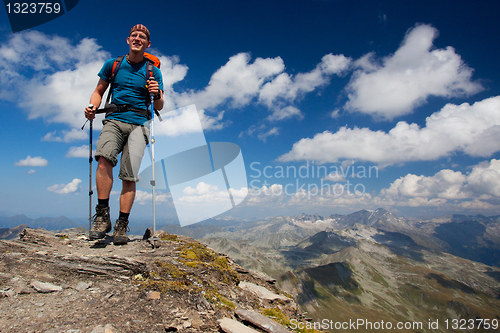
x=96, y=99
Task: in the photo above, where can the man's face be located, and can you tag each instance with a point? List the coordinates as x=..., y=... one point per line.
x=138, y=41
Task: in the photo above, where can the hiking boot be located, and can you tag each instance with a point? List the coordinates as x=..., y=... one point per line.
x=120, y=233
x=101, y=225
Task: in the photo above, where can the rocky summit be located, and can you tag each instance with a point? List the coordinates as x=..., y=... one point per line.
x=62, y=282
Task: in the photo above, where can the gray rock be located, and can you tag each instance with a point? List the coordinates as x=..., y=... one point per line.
x=261, y=321
x=45, y=287
x=81, y=286
x=104, y=329
x=233, y=326
x=262, y=292
x=7, y=293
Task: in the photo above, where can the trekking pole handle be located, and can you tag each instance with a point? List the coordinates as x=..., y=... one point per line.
x=85, y=123
x=151, y=79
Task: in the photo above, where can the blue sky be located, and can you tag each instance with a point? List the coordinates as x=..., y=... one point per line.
x=336, y=105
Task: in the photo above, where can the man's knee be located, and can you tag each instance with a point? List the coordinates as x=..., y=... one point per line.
x=128, y=185
x=104, y=164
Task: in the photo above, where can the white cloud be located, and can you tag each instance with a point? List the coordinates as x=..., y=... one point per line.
x=29, y=161
x=185, y=121
x=172, y=72
x=237, y=82
x=71, y=187
x=81, y=151
x=56, y=68
x=285, y=113
x=268, y=133
x=407, y=78
x=446, y=184
x=262, y=132
x=144, y=197
x=289, y=88
x=472, y=129
x=66, y=136
x=479, y=189
x=484, y=179
x=204, y=194
x=335, y=177
x=445, y=192
x=201, y=188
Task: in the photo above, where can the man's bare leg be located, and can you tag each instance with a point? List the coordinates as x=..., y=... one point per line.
x=127, y=196
x=104, y=178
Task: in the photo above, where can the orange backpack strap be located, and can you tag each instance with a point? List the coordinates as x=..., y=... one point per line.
x=114, y=70
x=153, y=58
x=152, y=61
x=116, y=66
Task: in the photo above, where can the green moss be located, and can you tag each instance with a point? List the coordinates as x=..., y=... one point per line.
x=283, y=319
x=165, y=286
x=213, y=296
x=171, y=238
x=167, y=277
x=197, y=251
x=170, y=269
x=197, y=254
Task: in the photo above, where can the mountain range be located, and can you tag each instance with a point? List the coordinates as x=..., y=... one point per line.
x=372, y=266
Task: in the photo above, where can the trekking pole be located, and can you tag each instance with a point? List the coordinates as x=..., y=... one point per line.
x=90, y=169
x=153, y=183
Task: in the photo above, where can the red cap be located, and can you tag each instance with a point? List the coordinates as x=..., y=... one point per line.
x=139, y=27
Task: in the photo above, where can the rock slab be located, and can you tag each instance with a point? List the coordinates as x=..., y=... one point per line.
x=229, y=325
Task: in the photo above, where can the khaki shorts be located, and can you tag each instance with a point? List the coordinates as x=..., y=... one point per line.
x=129, y=139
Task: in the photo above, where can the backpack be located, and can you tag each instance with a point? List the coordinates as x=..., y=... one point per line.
x=151, y=61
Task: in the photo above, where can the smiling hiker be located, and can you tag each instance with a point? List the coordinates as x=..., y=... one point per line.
x=125, y=128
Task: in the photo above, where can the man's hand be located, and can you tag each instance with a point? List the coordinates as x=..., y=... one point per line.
x=90, y=112
x=153, y=87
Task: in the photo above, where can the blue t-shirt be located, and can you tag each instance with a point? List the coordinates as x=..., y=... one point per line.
x=130, y=89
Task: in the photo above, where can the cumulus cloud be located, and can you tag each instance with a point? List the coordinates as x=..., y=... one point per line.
x=404, y=80
x=335, y=177
x=144, y=198
x=66, y=136
x=479, y=189
x=29, y=161
x=186, y=121
x=71, y=187
x=288, y=88
x=471, y=129
x=80, y=151
x=268, y=133
x=262, y=132
x=484, y=179
x=446, y=184
x=285, y=113
x=236, y=83
x=56, y=68
x=240, y=81
x=446, y=190
x=291, y=200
